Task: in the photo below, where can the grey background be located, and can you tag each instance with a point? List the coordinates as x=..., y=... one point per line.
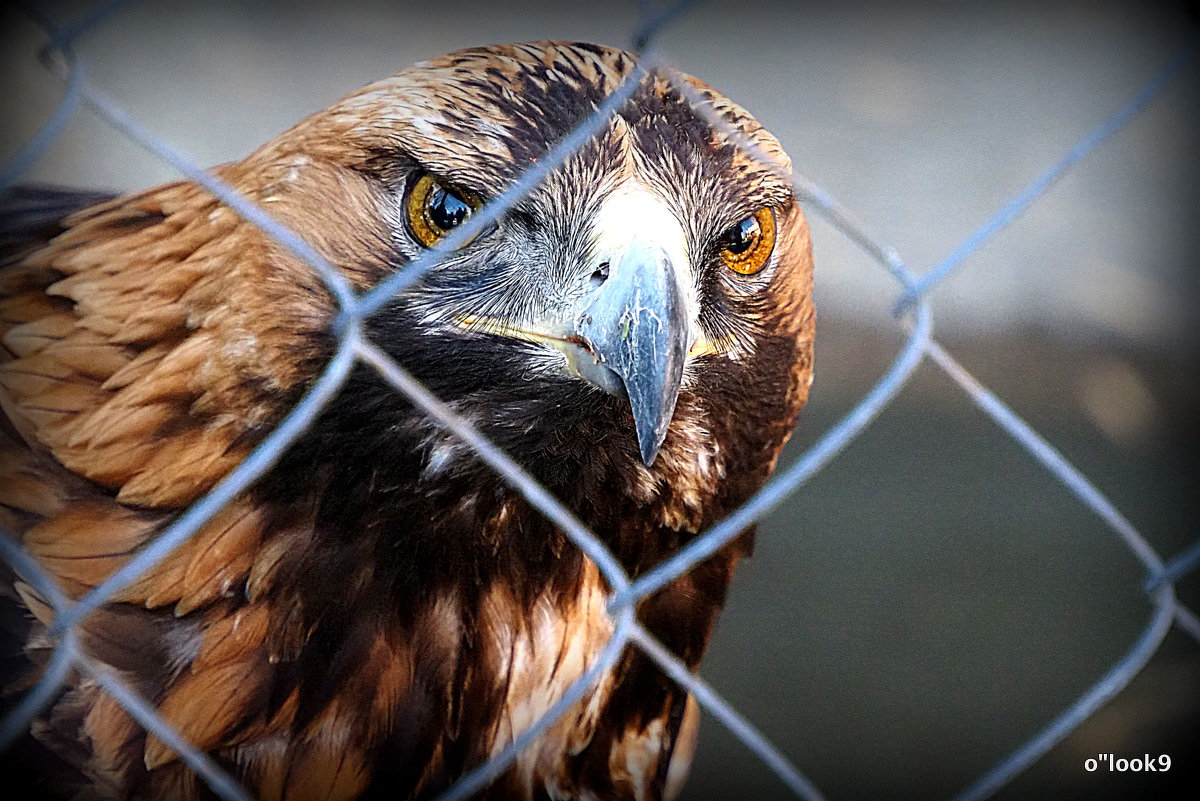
x=932, y=598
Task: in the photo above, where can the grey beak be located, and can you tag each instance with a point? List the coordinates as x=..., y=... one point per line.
x=636, y=324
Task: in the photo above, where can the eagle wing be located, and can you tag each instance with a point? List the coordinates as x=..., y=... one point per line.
x=130, y=384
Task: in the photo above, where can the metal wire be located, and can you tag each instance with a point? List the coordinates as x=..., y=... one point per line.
x=220, y=782
x=1037, y=187
x=911, y=309
x=741, y=728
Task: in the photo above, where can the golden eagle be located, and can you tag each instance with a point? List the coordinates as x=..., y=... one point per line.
x=380, y=613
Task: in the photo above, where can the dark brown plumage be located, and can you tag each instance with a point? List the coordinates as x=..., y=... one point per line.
x=381, y=613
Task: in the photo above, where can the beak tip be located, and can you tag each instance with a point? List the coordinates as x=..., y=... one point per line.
x=649, y=451
x=651, y=417
x=651, y=430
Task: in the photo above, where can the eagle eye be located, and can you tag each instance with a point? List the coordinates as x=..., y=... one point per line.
x=747, y=244
x=436, y=208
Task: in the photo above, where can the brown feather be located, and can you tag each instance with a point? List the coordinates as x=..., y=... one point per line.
x=206, y=705
x=324, y=772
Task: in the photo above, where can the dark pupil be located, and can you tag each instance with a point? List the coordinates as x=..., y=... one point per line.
x=446, y=210
x=742, y=236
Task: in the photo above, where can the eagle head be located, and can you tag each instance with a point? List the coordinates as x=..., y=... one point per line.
x=650, y=298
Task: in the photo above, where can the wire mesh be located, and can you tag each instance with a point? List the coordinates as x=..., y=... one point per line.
x=911, y=311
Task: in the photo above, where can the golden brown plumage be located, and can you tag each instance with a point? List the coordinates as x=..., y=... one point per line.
x=380, y=613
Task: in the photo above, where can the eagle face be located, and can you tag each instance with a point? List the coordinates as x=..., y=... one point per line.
x=381, y=613
x=658, y=260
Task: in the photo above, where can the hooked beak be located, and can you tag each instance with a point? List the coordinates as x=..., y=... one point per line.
x=633, y=328
x=636, y=324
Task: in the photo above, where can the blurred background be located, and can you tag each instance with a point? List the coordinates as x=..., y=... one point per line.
x=932, y=598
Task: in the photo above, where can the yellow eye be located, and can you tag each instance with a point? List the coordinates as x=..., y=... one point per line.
x=746, y=245
x=435, y=209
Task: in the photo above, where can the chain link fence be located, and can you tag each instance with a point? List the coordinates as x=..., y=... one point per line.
x=911, y=311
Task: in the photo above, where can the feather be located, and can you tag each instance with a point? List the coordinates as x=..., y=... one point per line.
x=326, y=774
x=205, y=706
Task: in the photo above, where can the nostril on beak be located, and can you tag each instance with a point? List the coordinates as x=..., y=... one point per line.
x=600, y=276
